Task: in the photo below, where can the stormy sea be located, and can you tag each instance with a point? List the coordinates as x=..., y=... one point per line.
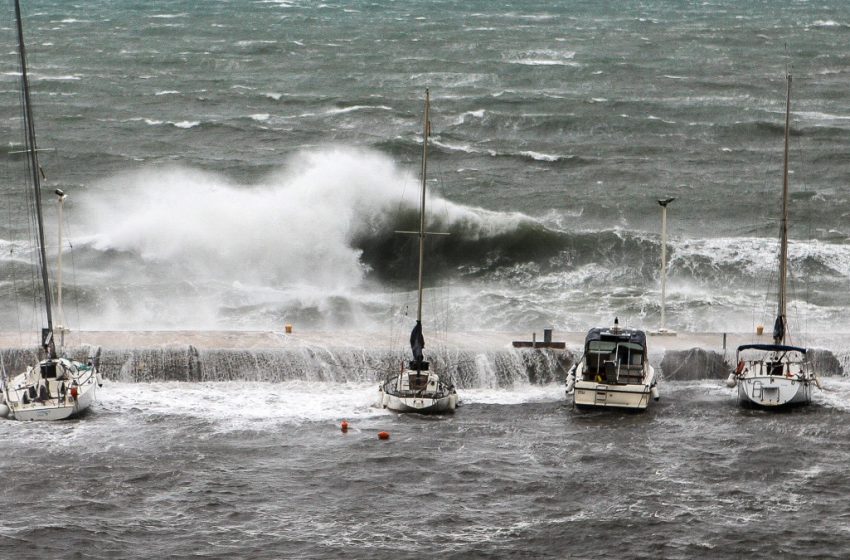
x=244, y=167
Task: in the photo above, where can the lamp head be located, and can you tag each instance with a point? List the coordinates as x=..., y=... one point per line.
x=663, y=202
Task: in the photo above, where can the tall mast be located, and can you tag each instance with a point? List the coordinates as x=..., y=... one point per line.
x=35, y=170
x=425, y=135
x=783, y=228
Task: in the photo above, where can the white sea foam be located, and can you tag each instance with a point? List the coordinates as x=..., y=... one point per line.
x=541, y=157
x=186, y=124
x=287, y=239
x=261, y=117
x=461, y=119
x=829, y=23
x=342, y=110
x=246, y=405
x=544, y=57
x=63, y=78
x=167, y=92
x=519, y=394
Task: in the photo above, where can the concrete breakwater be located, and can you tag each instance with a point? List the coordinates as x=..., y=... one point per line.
x=473, y=360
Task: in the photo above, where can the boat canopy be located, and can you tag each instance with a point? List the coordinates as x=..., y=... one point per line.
x=619, y=335
x=772, y=348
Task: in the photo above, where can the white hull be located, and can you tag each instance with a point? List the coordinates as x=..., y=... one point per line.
x=423, y=405
x=423, y=392
x=772, y=376
x=614, y=371
x=592, y=394
x=773, y=391
x=59, y=404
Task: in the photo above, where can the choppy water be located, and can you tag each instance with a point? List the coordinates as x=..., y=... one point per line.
x=244, y=165
x=262, y=470
x=237, y=165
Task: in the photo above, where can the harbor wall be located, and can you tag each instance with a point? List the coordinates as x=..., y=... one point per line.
x=481, y=360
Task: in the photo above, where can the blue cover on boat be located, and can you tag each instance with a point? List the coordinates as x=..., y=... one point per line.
x=772, y=348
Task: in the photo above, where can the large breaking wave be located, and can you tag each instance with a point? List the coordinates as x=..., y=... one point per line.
x=316, y=243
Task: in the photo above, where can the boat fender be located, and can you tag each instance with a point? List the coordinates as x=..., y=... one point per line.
x=817, y=382
x=74, y=393
x=654, y=392
x=741, y=367
x=4, y=410
x=731, y=381
x=571, y=379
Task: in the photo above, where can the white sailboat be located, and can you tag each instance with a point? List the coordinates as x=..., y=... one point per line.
x=56, y=387
x=614, y=370
x=775, y=375
x=417, y=388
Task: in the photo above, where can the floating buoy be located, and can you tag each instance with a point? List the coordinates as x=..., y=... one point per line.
x=383, y=435
x=344, y=426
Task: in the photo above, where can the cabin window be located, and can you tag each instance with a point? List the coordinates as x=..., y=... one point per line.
x=417, y=381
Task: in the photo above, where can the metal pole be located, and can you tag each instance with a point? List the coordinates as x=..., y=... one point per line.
x=663, y=265
x=663, y=203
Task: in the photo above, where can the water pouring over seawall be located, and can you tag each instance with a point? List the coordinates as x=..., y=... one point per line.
x=478, y=360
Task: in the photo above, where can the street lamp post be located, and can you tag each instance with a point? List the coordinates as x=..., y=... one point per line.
x=663, y=203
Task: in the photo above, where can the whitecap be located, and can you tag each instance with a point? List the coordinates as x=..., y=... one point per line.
x=185, y=124
x=357, y=108
x=540, y=157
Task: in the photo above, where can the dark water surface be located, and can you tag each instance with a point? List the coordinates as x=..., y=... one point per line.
x=155, y=471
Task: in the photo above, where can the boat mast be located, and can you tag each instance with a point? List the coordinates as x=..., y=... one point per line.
x=783, y=231
x=60, y=310
x=425, y=135
x=35, y=171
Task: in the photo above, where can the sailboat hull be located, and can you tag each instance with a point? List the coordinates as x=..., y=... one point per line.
x=422, y=405
x=80, y=384
x=417, y=391
x=773, y=392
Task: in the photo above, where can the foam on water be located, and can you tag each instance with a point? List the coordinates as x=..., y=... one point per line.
x=237, y=405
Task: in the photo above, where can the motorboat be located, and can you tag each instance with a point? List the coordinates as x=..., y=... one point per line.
x=614, y=370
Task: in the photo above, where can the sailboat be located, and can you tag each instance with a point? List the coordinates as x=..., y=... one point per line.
x=56, y=387
x=417, y=388
x=778, y=374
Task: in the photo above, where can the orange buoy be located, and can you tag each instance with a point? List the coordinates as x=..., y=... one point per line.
x=344, y=426
x=383, y=435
